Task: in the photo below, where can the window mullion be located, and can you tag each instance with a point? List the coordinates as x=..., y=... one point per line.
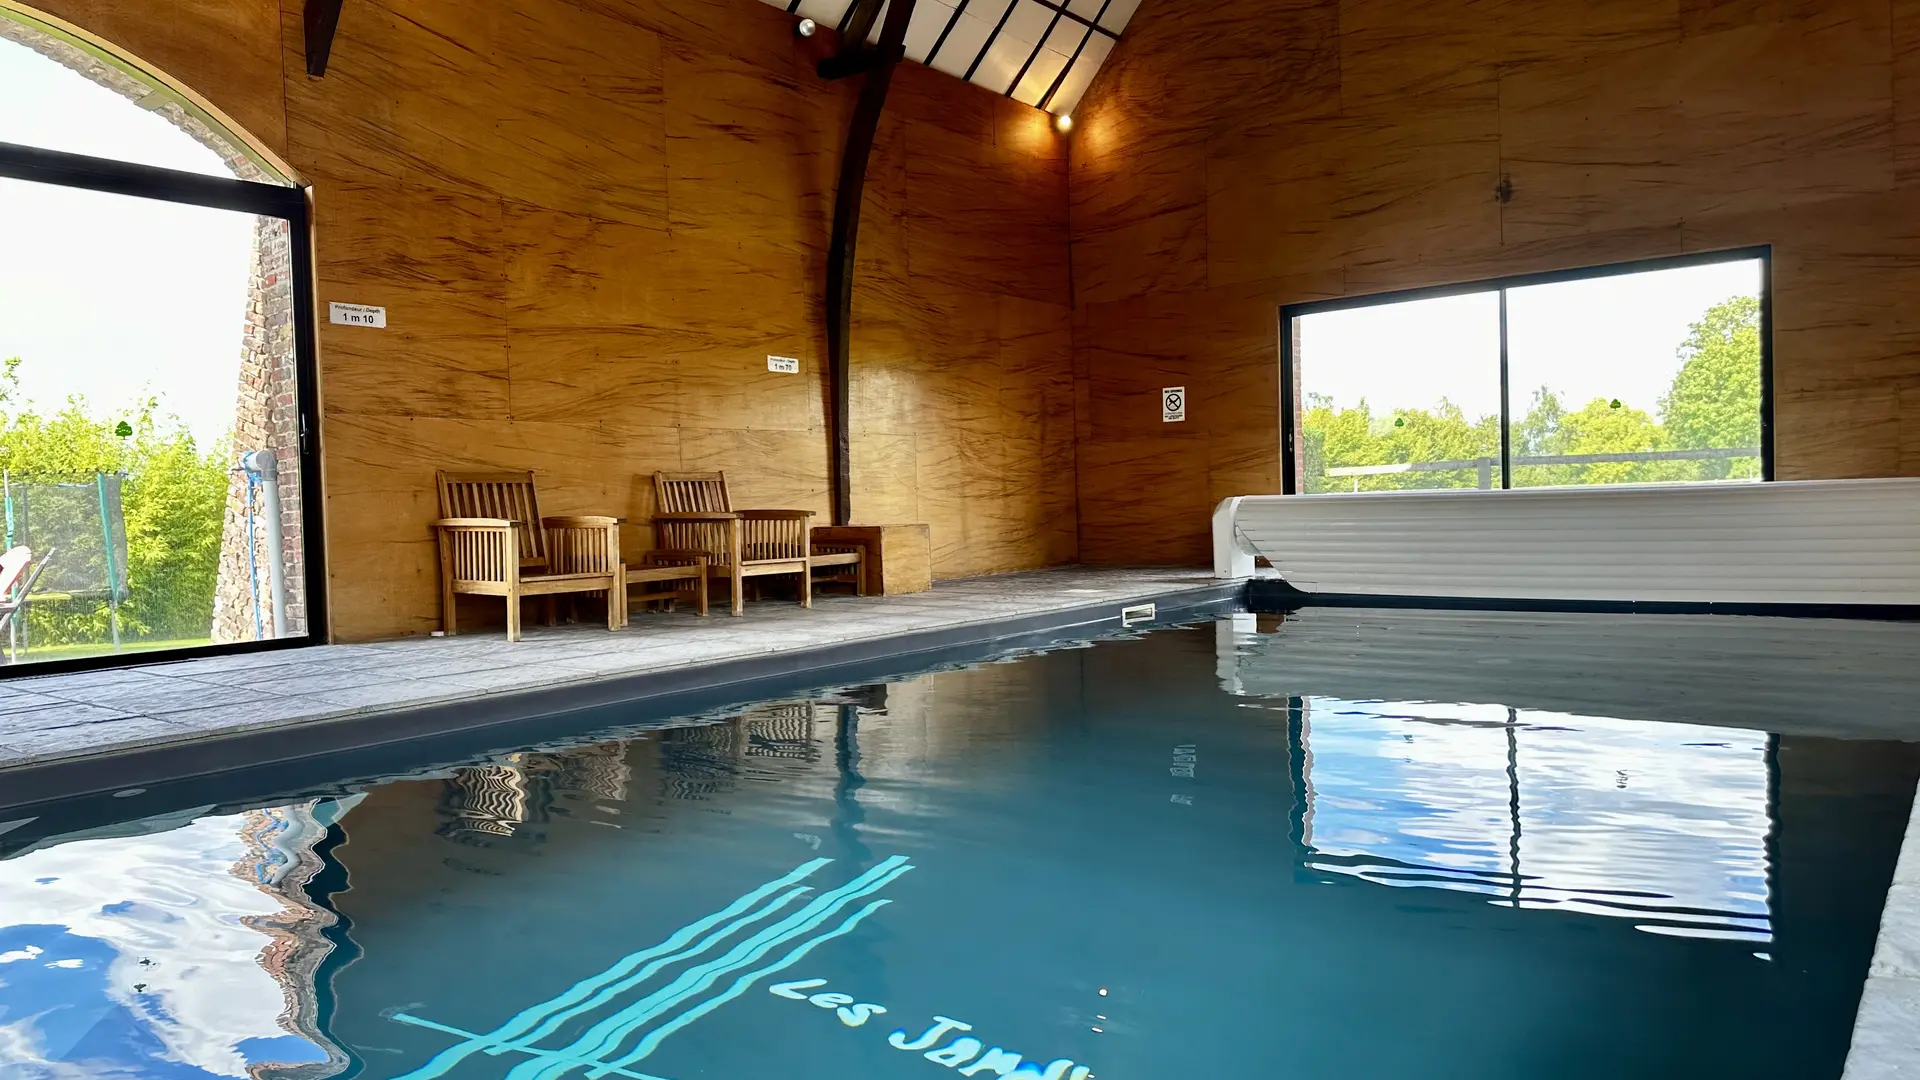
x=1506, y=404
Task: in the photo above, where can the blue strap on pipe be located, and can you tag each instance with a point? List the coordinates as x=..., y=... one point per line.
x=253, y=556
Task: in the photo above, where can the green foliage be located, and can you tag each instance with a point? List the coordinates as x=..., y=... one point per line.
x=1714, y=402
x=1715, y=398
x=174, y=500
x=1340, y=437
x=1604, y=426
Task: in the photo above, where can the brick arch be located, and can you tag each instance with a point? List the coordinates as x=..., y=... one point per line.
x=265, y=407
x=103, y=65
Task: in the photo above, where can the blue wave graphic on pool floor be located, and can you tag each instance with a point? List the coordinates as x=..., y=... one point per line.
x=740, y=986
x=521, y=1032
x=606, y=1036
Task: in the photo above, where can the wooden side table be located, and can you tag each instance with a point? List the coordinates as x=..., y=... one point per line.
x=899, y=557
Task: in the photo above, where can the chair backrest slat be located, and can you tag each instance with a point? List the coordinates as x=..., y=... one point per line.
x=710, y=537
x=508, y=495
x=584, y=549
x=692, y=493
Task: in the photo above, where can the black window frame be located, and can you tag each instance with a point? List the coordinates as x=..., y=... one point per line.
x=289, y=204
x=1290, y=416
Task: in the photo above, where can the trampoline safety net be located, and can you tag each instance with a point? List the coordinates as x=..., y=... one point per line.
x=78, y=526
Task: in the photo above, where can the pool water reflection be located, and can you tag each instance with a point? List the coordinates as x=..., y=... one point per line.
x=1090, y=863
x=1665, y=824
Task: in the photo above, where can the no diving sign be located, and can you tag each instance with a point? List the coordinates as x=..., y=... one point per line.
x=1173, y=404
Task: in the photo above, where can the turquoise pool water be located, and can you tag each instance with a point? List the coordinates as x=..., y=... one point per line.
x=1155, y=857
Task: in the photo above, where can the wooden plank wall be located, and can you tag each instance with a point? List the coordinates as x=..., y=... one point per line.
x=592, y=220
x=1238, y=155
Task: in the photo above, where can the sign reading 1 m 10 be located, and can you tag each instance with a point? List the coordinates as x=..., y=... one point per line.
x=357, y=315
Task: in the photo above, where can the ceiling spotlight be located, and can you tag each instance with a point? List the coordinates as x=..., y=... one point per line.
x=1063, y=122
x=806, y=28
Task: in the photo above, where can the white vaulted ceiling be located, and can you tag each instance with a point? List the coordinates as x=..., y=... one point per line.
x=1039, y=52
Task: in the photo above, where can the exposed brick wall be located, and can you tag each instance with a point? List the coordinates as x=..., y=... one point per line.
x=266, y=416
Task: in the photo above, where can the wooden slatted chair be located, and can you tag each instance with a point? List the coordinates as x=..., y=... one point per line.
x=696, y=517
x=493, y=542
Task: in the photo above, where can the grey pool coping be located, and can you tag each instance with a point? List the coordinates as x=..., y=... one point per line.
x=1886, y=1030
x=74, y=734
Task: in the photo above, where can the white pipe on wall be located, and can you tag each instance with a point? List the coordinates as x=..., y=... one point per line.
x=266, y=466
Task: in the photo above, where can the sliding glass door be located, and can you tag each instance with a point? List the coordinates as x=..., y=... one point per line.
x=1623, y=374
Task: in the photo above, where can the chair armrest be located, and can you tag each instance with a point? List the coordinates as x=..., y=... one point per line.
x=714, y=516
x=581, y=521
x=774, y=515
x=478, y=549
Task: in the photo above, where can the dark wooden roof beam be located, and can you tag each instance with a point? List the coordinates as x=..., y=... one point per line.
x=322, y=19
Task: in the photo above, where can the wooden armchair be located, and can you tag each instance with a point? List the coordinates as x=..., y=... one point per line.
x=493, y=542
x=696, y=518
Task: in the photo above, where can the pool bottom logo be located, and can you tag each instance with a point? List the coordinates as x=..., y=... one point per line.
x=967, y=1055
x=735, y=941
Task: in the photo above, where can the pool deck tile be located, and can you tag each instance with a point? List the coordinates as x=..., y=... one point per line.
x=1898, y=952
x=1907, y=870
x=59, y=716
x=1886, y=1037
x=93, y=736
x=20, y=699
x=1886, y=1031
x=259, y=711
x=54, y=717
x=135, y=693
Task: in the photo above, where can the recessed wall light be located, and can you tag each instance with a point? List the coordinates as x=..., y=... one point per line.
x=1063, y=122
x=806, y=27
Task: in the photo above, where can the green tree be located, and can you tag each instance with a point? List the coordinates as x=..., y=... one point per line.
x=1602, y=426
x=1715, y=398
x=174, y=501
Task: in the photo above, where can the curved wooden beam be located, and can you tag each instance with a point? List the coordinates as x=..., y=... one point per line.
x=322, y=19
x=878, y=64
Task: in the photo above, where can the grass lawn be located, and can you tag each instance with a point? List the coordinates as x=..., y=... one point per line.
x=98, y=648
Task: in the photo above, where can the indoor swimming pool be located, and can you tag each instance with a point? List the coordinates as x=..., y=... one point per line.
x=1243, y=847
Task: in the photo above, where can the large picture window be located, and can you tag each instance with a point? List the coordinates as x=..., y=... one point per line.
x=158, y=463
x=1635, y=373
